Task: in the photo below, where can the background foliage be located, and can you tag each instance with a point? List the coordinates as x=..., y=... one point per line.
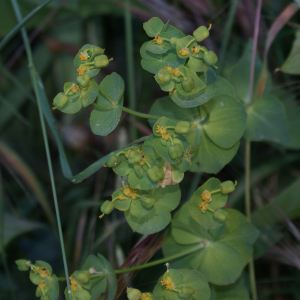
x=57, y=32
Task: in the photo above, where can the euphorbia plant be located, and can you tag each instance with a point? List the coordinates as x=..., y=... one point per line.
x=197, y=127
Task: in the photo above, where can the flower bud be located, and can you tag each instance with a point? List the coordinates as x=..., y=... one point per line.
x=173, y=42
x=138, y=170
x=133, y=294
x=201, y=33
x=221, y=214
x=164, y=75
x=186, y=292
x=134, y=157
x=22, y=264
x=107, y=207
x=60, y=100
x=155, y=173
x=188, y=84
x=227, y=187
x=101, y=61
x=210, y=57
x=148, y=202
x=175, y=151
x=183, y=127
x=83, y=80
x=97, y=50
x=83, y=277
x=113, y=161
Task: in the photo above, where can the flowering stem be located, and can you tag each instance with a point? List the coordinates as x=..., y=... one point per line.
x=163, y=260
x=135, y=113
x=191, y=41
x=102, y=92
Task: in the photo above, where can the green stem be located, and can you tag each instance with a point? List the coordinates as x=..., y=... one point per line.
x=164, y=39
x=103, y=107
x=103, y=93
x=163, y=260
x=130, y=66
x=135, y=113
x=34, y=75
x=215, y=191
x=248, y=213
x=191, y=41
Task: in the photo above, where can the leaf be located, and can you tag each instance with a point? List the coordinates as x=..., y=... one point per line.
x=292, y=63
x=224, y=251
x=89, y=95
x=104, y=121
x=189, y=278
x=148, y=221
x=209, y=157
x=266, y=121
x=153, y=27
x=206, y=156
x=155, y=48
x=100, y=264
x=218, y=200
x=227, y=120
x=181, y=43
x=235, y=291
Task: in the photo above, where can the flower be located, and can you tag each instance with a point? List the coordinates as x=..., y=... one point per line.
x=206, y=196
x=83, y=56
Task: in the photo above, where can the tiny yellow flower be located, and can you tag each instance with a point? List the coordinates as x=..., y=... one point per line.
x=168, y=68
x=145, y=296
x=83, y=56
x=176, y=72
x=74, y=88
x=42, y=284
x=168, y=283
x=184, y=51
x=73, y=288
x=195, y=49
x=203, y=207
x=127, y=190
x=121, y=196
x=206, y=195
x=81, y=70
x=132, y=195
x=157, y=40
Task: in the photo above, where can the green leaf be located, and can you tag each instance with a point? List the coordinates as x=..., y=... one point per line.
x=227, y=120
x=155, y=48
x=188, y=278
x=153, y=27
x=235, y=291
x=123, y=168
x=220, y=84
x=224, y=251
x=198, y=95
x=53, y=287
x=292, y=63
x=104, y=121
x=197, y=64
x=106, y=284
x=148, y=221
x=206, y=156
x=209, y=157
x=266, y=121
x=89, y=95
x=154, y=221
x=123, y=204
x=218, y=200
x=143, y=183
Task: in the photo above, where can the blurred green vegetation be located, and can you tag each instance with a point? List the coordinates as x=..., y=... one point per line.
x=28, y=228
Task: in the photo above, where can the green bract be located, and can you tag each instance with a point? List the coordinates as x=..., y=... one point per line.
x=104, y=120
x=214, y=143
x=104, y=285
x=185, y=282
x=218, y=200
x=225, y=251
x=148, y=219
